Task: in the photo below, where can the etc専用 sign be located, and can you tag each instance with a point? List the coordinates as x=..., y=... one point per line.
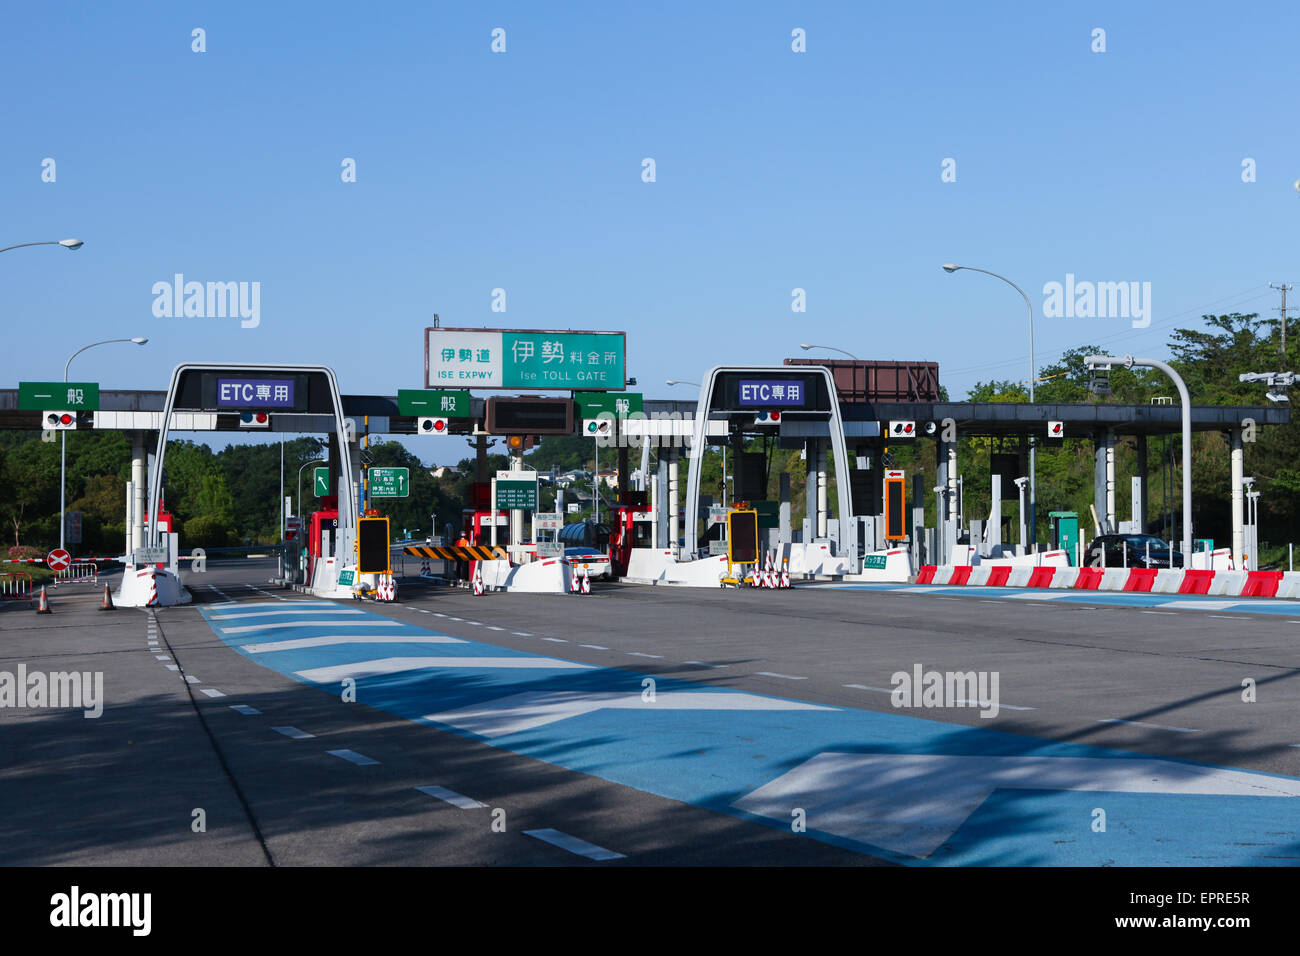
x=518, y=358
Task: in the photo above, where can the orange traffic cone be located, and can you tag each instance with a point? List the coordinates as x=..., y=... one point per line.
x=107, y=604
x=44, y=606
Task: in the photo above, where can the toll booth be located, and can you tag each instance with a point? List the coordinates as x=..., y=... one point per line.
x=478, y=526
x=631, y=526
x=1065, y=532
x=327, y=521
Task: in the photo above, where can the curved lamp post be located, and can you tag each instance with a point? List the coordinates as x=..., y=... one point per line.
x=1033, y=374
x=63, y=451
x=830, y=348
x=65, y=243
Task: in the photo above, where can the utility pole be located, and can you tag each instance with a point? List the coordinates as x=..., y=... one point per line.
x=1283, y=288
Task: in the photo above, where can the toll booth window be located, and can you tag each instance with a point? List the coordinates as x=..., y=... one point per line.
x=372, y=536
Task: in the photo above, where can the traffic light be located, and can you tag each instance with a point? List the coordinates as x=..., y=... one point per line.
x=433, y=426
x=1056, y=429
x=254, y=420
x=902, y=429
x=767, y=418
x=518, y=444
x=60, y=421
x=598, y=427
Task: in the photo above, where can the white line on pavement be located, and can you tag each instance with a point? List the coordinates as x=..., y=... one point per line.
x=703, y=664
x=521, y=634
x=1139, y=723
x=293, y=732
x=245, y=710
x=192, y=680
x=783, y=676
x=161, y=657
x=640, y=654
x=574, y=845
x=594, y=647
x=361, y=760
x=555, y=640
x=171, y=667
x=452, y=797
x=213, y=692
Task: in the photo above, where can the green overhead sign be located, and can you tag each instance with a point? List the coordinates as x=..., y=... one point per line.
x=389, y=482
x=514, y=358
x=58, y=396
x=618, y=404
x=320, y=482
x=435, y=403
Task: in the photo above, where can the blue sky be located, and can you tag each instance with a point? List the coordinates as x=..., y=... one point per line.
x=775, y=170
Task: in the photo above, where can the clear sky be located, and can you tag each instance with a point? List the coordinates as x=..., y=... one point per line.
x=522, y=170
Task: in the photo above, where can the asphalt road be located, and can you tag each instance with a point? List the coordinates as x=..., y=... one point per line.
x=124, y=788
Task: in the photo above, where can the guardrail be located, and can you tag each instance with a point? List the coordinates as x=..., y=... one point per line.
x=78, y=572
x=16, y=586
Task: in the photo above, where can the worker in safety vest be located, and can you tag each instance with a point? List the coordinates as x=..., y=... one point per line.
x=463, y=568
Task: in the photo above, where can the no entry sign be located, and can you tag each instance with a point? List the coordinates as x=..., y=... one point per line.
x=58, y=559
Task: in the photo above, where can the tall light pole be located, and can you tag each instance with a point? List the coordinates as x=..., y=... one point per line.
x=1033, y=374
x=63, y=451
x=318, y=461
x=1129, y=361
x=830, y=348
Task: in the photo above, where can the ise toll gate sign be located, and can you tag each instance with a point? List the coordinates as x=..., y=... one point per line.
x=518, y=358
x=389, y=482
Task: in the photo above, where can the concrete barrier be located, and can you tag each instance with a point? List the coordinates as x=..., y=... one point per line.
x=898, y=567
x=150, y=586
x=1261, y=584
x=814, y=559
x=1113, y=579
x=648, y=565
x=1169, y=582
x=1290, y=586
x=1140, y=579
x=979, y=574
x=1227, y=583
x=1055, y=559
x=1019, y=576
x=1064, y=578
x=1196, y=581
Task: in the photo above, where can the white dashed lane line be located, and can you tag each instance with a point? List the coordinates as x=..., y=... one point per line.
x=574, y=845
x=703, y=664
x=361, y=760
x=190, y=679
x=1139, y=723
x=452, y=797
x=293, y=733
x=213, y=692
x=555, y=640
x=171, y=667
x=245, y=710
x=657, y=657
x=161, y=657
x=521, y=634
x=782, y=676
x=594, y=647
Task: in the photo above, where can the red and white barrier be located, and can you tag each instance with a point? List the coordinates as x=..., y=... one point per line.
x=1217, y=583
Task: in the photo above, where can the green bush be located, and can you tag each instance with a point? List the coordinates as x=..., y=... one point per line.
x=207, y=531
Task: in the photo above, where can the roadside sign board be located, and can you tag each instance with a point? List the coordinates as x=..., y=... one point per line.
x=550, y=549
x=69, y=396
x=874, y=561
x=573, y=508
x=346, y=577
x=617, y=404
x=517, y=490
x=550, y=521
x=434, y=403
x=148, y=556
x=717, y=516
x=58, y=559
x=373, y=554
x=389, y=482
x=519, y=358
x=742, y=537
x=320, y=485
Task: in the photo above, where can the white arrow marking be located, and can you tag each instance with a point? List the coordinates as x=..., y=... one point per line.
x=282, y=609
x=508, y=715
x=396, y=665
x=224, y=609
x=329, y=639
x=912, y=803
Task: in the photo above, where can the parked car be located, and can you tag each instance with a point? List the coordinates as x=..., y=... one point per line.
x=597, y=564
x=1143, y=551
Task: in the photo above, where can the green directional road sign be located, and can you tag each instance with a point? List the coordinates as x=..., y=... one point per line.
x=64, y=396
x=390, y=482
x=508, y=358
x=433, y=402
x=618, y=404
x=320, y=485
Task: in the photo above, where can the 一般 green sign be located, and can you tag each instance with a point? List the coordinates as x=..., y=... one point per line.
x=618, y=404
x=58, y=396
x=437, y=403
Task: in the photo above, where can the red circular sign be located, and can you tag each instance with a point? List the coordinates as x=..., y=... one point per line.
x=58, y=559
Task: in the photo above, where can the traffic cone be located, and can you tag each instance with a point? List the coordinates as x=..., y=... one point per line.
x=107, y=604
x=44, y=606
x=586, y=581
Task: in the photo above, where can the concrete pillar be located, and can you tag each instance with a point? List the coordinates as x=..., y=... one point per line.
x=674, y=523
x=1103, y=478
x=1140, y=484
x=661, y=500
x=783, y=513
x=1238, y=473
x=822, y=507
x=516, y=514
x=810, y=452
x=140, y=485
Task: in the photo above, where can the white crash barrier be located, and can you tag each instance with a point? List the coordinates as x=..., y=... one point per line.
x=1019, y=576
x=942, y=574
x=325, y=579
x=979, y=574
x=1045, y=559
x=1228, y=583
x=815, y=558
x=1065, y=577
x=1290, y=586
x=549, y=576
x=703, y=573
x=648, y=565
x=1167, y=581
x=962, y=555
x=1113, y=579
x=892, y=565
x=150, y=586
x=1218, y=560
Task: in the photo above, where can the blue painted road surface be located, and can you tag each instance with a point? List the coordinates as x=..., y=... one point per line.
x=917, y=791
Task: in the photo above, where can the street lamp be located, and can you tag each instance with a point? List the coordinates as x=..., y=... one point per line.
x=1129, y=361
x=63, y=451
x=1033, y=374
x=65, y=243
x=806, y=346
x=318, y=461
